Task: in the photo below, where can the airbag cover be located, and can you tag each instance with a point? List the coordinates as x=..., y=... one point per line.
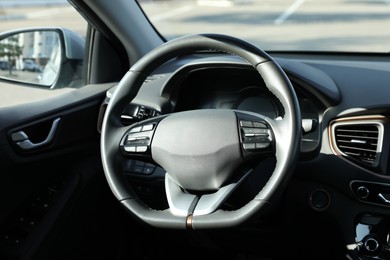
x=199, y=149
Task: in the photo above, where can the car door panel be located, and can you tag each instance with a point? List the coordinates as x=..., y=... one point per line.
x=37, y=185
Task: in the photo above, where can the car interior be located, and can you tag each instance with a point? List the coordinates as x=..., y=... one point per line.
x=204, y=146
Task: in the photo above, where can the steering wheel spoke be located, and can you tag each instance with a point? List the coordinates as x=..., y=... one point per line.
x=185, y=203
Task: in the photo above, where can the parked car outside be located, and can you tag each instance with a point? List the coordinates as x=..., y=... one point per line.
x=30, y=65
x=4, y=65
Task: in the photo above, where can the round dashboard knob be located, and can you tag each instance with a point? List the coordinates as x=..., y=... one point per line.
x=362, y=192
x=371, y=244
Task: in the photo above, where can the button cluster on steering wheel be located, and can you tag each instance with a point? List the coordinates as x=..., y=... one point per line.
x=255, y=136
x=138, y=139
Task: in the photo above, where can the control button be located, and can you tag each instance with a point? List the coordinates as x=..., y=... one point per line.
x=262, y=145
x=371, y=244
x=130, y=138
x=246, y=124
x=253, y=139
x=130, y=149
x=150, y=165
x=362, y=192
x=139, y=163
x=137, y=141
x=136, y=129
x=259, y=125
x=319, y=200
x=249, y=146
x=255, y=131
x=141, y=149
x=256, y=139
x=127, y=165
x=142, y=141
x=147, y=127
x=148, y=170
x=135, y=149
x=138, y=169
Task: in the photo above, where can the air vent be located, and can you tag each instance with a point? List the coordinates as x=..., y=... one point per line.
x=359, y=141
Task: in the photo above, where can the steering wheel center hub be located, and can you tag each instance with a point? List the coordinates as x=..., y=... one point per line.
x=200, y=149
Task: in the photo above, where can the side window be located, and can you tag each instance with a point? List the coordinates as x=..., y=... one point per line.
x=41, y=50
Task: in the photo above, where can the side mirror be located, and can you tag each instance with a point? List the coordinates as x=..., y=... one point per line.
x=42, y=57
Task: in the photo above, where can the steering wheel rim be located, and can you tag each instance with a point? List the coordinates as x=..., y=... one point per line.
x=286, y=131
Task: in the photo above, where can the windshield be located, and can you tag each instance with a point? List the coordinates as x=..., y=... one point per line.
x=280, y=25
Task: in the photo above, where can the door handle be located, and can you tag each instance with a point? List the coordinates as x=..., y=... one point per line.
x=385, y=198
x=22, y=140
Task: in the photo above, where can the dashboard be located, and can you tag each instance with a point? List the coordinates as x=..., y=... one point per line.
x=343, y=171
x=334, y=92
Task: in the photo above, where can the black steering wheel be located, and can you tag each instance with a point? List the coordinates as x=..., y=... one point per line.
x=200, y=150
